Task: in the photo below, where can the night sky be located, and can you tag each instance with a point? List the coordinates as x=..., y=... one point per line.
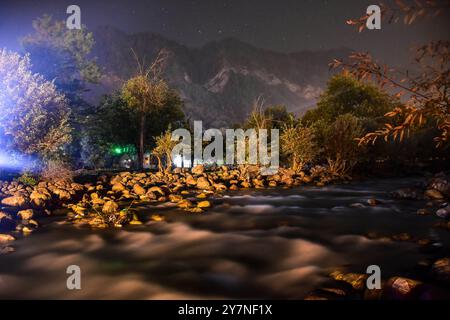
x=283, y=25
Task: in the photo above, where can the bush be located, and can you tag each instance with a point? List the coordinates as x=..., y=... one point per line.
x=57, y=170
x=298, y=146
x=27, y=179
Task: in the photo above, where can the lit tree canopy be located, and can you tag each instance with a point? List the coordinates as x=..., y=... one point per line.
x=33, y=114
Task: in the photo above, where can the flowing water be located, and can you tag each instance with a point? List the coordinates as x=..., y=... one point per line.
x=274, y=243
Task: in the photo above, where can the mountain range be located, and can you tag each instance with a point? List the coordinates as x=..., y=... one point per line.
x=220, y=80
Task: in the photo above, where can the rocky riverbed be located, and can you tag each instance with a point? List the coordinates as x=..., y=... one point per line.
x=227, y=234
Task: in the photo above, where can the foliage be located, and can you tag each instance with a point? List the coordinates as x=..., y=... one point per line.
x=146, y=93
x=27, y=179
x=33, y=113
x=272, y=117
x=298, y=145
x=341, y=150
x=57, y=170
x=113, y=123
x=163, y=150
x=426, y=91
x=62, y=55
x=345, y=94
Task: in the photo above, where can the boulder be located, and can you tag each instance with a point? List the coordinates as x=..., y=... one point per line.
x=184, y=204
x=26, y=214
x=433, y=194
x=118, y=187
x=204, y=204
x=6, y=222
x=198, y=169
x=441, y=183
x=444, y=212
x=15, y=201
x=203, y=183
x=6, y=238
x=403, y=288
x=408, y=193
x=441, y=270
x=156, y=189
x=175, y=198
x=110, y=207
x=190, y=180
x=138, y=189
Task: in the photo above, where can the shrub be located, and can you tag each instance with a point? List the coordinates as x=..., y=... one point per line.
x=27, y=179
x=57, y=170
x=298, y=146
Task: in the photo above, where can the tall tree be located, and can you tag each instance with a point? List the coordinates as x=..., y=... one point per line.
x=62, y=55
x=146, y=93
x=33, y=114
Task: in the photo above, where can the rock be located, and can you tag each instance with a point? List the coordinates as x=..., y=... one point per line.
x=157, y=217
x=408, y=193
x=110, y=207
x=434, y=194
x=26, y=229
x=246, y=184
x=444, y=212
x=272, y=183
x=403, y=288
x=423, y=212
x=204, y=204
x=373, y=202
x=39, y=196
x=441, y=183
x=307, y=179
x=441, y=270
x=4, y=217
x=62, y=194
x=6, y=250
x=357, y=205
x=156, y=189
x=203, y=183
x=118, y=187
x=190, y=180
x=150, y=195
x=175, y=198
x=356, y=280
x=198, y=169
x=138, y=189
x=185, y=204
x=219, y=186
x=402, y=237
x=26, y=214
x=6, y=238
x=234, y=187
x=14, y=201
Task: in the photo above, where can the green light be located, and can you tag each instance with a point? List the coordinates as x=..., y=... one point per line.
x=117, y=150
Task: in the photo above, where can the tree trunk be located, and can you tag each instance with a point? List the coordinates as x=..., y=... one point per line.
x=141, y=142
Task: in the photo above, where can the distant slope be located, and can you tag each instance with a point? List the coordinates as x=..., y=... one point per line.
x=220, y=80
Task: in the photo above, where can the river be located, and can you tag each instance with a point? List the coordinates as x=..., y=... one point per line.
x=272, y=243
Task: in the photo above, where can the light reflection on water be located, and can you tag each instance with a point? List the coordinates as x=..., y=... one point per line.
x=251, y=244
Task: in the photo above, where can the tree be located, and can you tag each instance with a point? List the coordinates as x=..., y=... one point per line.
x=298, y=145
x=62, y=55
x=33, y=114
x=345, y=94
x=163, y=150
x=146, y=93
x=426, y=92
x=272, y=117
x=340, y=147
